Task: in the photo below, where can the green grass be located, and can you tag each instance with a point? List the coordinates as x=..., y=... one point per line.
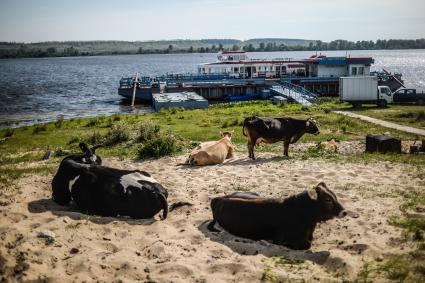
x=124, y=133
x=409, y=114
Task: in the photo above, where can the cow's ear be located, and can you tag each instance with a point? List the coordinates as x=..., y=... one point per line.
x=312, y=193
x=308, y=123
x=221, y=133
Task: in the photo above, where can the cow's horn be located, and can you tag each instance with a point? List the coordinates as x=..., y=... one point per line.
x=312, y=193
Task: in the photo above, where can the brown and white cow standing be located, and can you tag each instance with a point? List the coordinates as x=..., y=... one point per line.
x=272, y=130
x=213, y=152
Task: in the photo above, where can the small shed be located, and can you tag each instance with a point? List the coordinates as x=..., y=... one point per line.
x=187, y=100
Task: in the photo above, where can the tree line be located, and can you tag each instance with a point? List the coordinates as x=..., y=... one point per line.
x=9, y=50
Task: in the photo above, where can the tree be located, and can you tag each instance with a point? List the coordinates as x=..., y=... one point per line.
x=261, y=46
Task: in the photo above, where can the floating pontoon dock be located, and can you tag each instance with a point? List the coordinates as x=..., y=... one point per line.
x=187, y=100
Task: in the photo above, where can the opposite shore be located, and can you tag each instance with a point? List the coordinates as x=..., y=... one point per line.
x=96, y=48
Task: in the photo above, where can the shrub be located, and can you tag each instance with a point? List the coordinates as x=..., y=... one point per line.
x=305, y=108
x=39, y=128
x=74, y=139
x=59, y=122
x=235, y=122
x=117, y=134
x=147, y=131
x=8, y=133
x=95, y=138
x=93, y=122
x=225, y=124
x=162, y=145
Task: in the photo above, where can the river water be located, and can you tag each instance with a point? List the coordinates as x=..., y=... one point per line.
x=41, y=90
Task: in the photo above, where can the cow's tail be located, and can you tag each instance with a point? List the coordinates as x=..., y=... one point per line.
x=243, y=127
x=164, y=203
x=211, y=227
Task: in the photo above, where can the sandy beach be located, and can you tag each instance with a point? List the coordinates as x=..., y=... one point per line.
x=181, y=249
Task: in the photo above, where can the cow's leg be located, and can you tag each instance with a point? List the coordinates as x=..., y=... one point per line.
x=285, y=147
x=250, y=149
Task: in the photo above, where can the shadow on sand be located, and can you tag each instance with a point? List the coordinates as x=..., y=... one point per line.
x=43, y=205
x=245, y=246
x=241, y=161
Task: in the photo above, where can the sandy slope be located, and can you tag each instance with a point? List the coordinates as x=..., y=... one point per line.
x=180, y=249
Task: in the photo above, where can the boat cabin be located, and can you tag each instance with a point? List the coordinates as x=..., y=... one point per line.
x=238, y=65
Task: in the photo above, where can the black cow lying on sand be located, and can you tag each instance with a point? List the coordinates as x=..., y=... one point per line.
x=272, y=130
x=107, y=191
x=289, y=222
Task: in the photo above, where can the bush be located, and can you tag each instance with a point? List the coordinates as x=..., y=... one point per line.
x=147, y=131
x=39, y=128
x=74, y=139
x=8, y=133
x=59, y=122
x=162, y=145
x=225, y=124
x=95, y=138
x=117, y=134
x=94, y=122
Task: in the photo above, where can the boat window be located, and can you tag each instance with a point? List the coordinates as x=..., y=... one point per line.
x=361, y=70
x=354, y=71
x=236, y=69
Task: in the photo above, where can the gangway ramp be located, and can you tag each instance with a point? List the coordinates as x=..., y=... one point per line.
x=294, y=93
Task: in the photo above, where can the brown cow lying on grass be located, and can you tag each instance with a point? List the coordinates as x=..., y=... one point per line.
x=272, y=130
x=289, y=222
x=213, y=152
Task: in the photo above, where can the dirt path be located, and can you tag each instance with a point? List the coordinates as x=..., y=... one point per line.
x=383, y=123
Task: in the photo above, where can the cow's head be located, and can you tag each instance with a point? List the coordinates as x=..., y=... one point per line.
x=311, y=126
x=227, y=135
x=328, y=205
x=89, y=155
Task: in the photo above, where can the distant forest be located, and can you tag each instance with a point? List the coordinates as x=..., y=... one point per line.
x=91, y=48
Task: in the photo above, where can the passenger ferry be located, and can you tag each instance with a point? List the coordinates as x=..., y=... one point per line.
x=234, y=76
x=318, y=74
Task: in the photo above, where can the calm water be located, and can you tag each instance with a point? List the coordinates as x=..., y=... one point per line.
x=39, y=90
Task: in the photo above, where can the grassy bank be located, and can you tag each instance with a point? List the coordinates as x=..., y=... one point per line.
x=409, y=114
x=30, y=143
x=181, y=129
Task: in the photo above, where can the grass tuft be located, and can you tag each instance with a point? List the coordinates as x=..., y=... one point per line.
x=161, y=145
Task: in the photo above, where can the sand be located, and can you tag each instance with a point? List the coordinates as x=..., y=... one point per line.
x=181, y=249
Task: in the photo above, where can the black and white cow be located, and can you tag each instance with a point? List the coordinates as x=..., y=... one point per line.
x=107, y=191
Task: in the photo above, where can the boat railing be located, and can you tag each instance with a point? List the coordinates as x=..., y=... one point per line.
x=299, y=89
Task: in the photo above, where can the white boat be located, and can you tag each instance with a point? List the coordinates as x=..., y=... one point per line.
x=238, y=65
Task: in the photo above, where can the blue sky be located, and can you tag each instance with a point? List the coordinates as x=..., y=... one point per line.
x=47, y=20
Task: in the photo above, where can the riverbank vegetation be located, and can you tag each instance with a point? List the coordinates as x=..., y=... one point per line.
x=127, y=136
x=91, y=48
